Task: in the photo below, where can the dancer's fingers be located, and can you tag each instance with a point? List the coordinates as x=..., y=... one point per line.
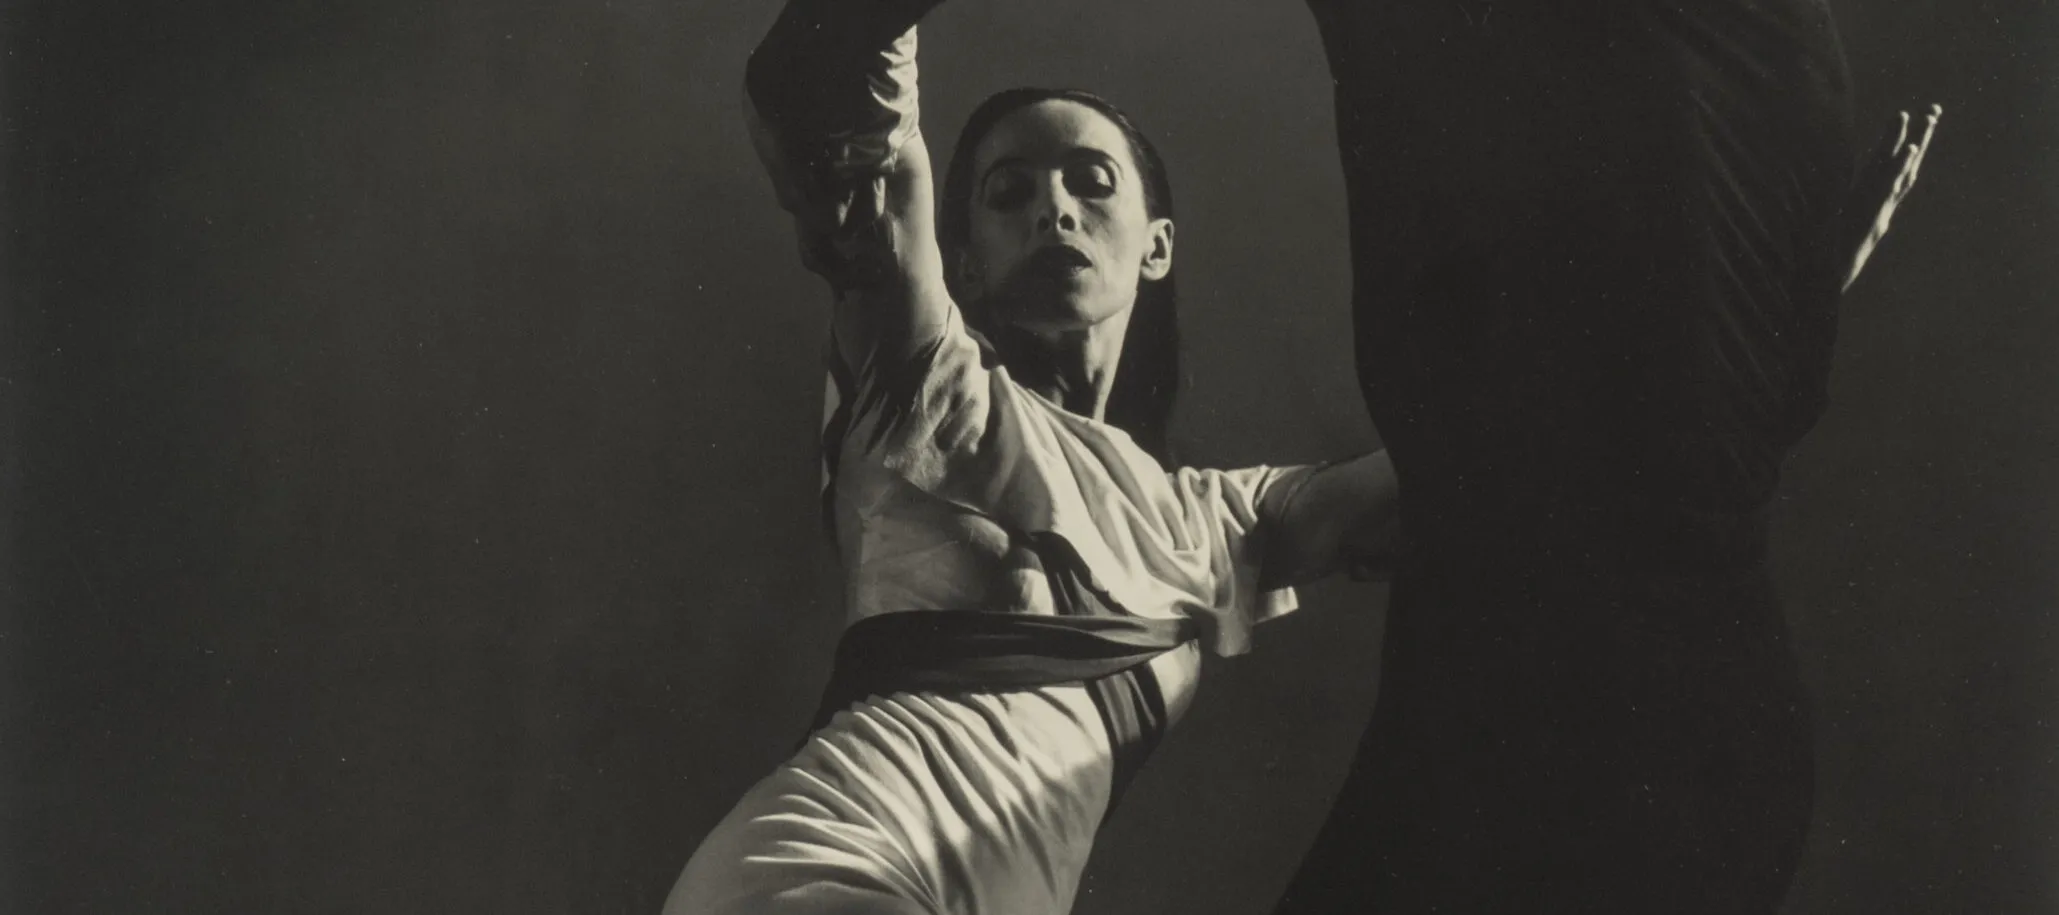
x=1923, y=145
x=1892, y=139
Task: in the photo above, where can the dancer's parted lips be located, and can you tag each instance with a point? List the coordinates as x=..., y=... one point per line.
x=1058, y=260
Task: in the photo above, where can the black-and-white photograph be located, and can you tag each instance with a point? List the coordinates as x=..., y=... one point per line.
x=896, y=457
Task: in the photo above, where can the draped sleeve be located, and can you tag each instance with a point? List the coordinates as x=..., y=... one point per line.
x=950, y=425
x=831, y=100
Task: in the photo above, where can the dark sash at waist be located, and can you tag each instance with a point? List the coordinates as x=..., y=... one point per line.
x=970, y=651
x=1094, y=643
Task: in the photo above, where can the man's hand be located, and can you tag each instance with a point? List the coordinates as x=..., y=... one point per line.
x=1883, y=181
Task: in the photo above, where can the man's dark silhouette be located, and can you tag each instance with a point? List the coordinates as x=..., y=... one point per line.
x=1596, y=258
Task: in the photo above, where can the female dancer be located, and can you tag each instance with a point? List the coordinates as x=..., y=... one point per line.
x=1029, y=587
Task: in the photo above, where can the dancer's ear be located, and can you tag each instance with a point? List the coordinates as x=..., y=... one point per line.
x=1158, y=260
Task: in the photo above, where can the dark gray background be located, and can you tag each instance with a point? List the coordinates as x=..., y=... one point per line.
x=409, y=470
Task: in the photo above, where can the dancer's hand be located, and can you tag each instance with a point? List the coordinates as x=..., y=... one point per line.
x=1887, y=177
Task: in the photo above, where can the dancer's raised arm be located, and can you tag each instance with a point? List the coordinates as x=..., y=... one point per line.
x=832, y=103
x=1341, y=517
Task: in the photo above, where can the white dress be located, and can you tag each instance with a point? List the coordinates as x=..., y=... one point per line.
x=982, y=802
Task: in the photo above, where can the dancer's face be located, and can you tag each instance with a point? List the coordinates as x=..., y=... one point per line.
x=1059, y=235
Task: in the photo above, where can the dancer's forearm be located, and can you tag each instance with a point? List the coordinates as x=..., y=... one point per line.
x=1337, y=518
x=832, y=104
x=831, y=73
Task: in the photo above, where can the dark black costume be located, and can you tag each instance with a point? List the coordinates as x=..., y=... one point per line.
x=1595, y=275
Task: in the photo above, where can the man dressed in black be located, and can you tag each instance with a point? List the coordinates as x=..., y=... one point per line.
x=1598, y=248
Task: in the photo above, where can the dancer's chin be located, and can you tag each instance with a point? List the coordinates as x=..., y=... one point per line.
x=1040, y=306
